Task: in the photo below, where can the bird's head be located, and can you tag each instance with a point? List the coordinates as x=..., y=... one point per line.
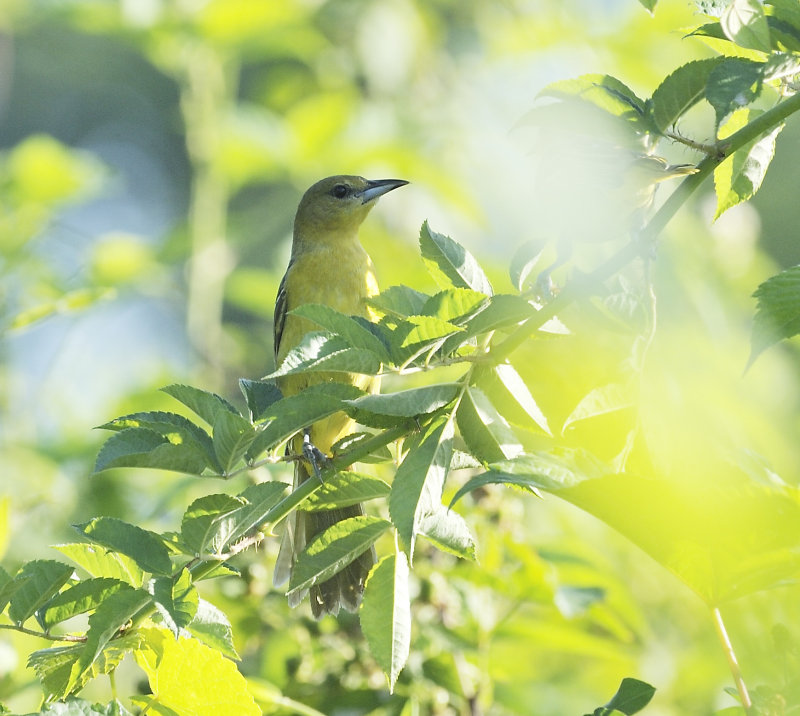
x=340, y=203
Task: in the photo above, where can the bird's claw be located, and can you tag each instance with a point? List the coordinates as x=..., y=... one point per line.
x=314, y=456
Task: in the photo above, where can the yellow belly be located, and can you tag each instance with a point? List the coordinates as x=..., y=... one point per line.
x=340, y=277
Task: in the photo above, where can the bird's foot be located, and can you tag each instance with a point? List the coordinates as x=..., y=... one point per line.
x=314, y=455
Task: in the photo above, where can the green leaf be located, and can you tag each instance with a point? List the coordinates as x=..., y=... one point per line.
x=408, y=403
x=680, y=91
x=509, y=393
x=109, y=617
x=290, y=415
x=79, y=707
x=203, y=527
x=188, y=677
x=176, y=600
x=99, y=562
x=356, y=331
x=732, y=84
x=39, y=580
x=385, y=615
x=778, y=311
x=631, y=697
x=455, y=305
x=261, y=498
x=142, y=447
x=203, y=403
x=739, y=177
x=8, y=586
x=380, y=454
x=486, y=433
x=418, y=335
x=332, y=550
x=419, y=480
x=525, y=259
x=745, y=24
x=529, y=483
x=80, y=598
x=449, y=532
x=211, y=626
x=232, y=436
x=450, y=264
x=260, y=395
x=600, y=401
x=504, y=310
x=649, y=5
x=603, y=91
x=145, y=548
x=399, y=301
x=322, y=351
x=53, y=666
x=692, y=526
x=344, y=489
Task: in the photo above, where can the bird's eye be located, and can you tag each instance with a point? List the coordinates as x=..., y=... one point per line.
x=339, y=191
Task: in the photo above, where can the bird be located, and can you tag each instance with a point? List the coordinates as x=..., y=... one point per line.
x=329, y=266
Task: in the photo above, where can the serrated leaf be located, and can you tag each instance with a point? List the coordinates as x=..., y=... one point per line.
x=259, y=395
x=739, y=177
x=188, y=677
x=38, y=581
x=355, y=330
x=232, y=436
x=141, y=447
x=8, y=586
x=680, y=91
x=777, y=313
x=53, y=666
x=322, y=351
x=344, y=489
x=80, y=707
x=603, y=91
x=508, y=392
x=202, y=530
x=145, y=548
x=504, y=310
x=486, y=433
x=408, y=403
x=290, y=415
x=732, y=84
x=449, y=263
x=211, y=626
x=261, y=498
x=399, y=301
x=455, y=304
x=449, y=532
x=419, y=480
x=332, y=550
x=600, y=401
x=385, y=615
x=418, y=335
x=99, y=562
x=78, y=599
x=745, y=24
x=176, y=600
x=109, y=617
x=203, y=403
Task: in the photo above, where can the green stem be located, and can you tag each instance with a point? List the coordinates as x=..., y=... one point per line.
x=574, y=290
x=733, y=664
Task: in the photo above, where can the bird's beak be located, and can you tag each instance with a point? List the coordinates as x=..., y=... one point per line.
x=379, y=187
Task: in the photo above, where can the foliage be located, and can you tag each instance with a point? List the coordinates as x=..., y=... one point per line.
x=470, y=371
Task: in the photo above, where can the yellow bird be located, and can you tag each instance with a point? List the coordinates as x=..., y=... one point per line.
x=329, y=266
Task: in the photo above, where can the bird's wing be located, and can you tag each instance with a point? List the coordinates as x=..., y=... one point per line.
x=281, y=304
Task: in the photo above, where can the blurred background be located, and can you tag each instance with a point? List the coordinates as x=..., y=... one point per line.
x=152, y=153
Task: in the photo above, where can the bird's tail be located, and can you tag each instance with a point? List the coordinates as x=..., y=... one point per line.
x=345, y=588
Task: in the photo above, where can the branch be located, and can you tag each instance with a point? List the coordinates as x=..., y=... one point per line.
x=574, y=290
x=44, y=635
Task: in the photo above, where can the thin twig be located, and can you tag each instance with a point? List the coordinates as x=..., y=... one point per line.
x=44, y=635
x=733, y=664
